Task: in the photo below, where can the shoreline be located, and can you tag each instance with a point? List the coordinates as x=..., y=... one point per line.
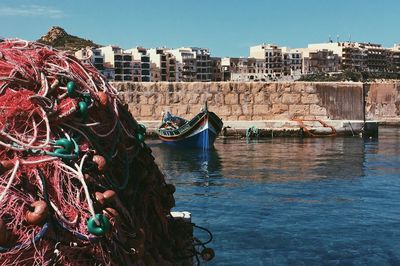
x=289, y=128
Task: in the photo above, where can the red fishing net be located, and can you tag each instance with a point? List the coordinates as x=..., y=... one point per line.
x=78, y=186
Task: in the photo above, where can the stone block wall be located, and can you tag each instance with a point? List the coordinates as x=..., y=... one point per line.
x=245, y=101
x=383, y=101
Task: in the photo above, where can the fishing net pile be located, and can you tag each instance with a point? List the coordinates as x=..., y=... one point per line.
x=78, y=186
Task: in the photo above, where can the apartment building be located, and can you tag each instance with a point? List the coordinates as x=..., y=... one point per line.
x=216, y=69
x=119, y=60
x=203, y=62
x=185, y=64
x=320, y=61
x=234, y=68
x=259, y=70
x=293, y=60
x=155, y=73
x=163, y=65
x=273, y=57
x=357, y=55
x=193, y=63
x=266, y=62
x=352, y=58
x=245, y=69
x=377, y=57
x=350, y=54
x=140, y=64
x=395, y=58
x=226, y=68
x=136, y=70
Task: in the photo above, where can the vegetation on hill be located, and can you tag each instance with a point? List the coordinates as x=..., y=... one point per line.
x=58, y=38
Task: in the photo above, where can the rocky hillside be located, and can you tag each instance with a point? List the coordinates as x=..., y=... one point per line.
x=60, y=39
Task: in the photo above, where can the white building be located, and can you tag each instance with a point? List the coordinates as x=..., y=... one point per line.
x=141, y=64
x=357, y=55
x=121, y=61
x=335, y=47
x=234, y=68
x=395, y=58
x=272, y=54
x=194, y=64
x=164, y=67
x=294, y=60
x=244, y=69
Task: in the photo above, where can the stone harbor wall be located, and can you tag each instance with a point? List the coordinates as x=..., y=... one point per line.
x=251, y=101
x=383, y=102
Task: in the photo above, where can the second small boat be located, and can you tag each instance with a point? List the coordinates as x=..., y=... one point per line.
x=200, y=132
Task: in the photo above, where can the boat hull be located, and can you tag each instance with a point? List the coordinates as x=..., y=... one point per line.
x=200, y=134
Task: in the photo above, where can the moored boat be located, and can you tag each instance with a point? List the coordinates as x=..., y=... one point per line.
x=199, y=132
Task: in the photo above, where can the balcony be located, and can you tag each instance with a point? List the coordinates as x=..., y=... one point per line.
x=99, y=66
x=127, y=58
x=145, y=66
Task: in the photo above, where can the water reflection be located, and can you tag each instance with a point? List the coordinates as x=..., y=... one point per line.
x=292, y=159
x=291, y=201
x=276, y=160
x=179, y=163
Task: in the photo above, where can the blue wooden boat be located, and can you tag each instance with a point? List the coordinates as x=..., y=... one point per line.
x=200, y=132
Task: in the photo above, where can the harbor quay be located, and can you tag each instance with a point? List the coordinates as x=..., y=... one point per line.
x=270, y=109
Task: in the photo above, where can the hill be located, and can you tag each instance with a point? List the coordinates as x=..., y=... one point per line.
x=58, y=38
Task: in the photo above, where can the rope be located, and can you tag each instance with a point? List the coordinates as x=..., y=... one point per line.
x=307, y=131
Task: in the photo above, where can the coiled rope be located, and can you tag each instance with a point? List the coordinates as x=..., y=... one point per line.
x=78, y=186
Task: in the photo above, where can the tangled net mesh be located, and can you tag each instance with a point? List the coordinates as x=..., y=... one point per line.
x=78, y=186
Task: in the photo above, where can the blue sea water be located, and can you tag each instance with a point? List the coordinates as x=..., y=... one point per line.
x=293, y=201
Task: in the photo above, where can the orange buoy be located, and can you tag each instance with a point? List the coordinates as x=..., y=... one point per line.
x=207, y=254
x=109, y=195
x=102, y=99
x=100, y=197
x=38, y=214
x=101, y=163
x=110, y=213
x=6, y=165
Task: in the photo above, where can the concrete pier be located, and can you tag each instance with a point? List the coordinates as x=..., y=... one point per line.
x=288, y=128
x=350, y=108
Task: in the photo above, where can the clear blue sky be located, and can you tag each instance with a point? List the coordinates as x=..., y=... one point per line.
x=227, y=27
